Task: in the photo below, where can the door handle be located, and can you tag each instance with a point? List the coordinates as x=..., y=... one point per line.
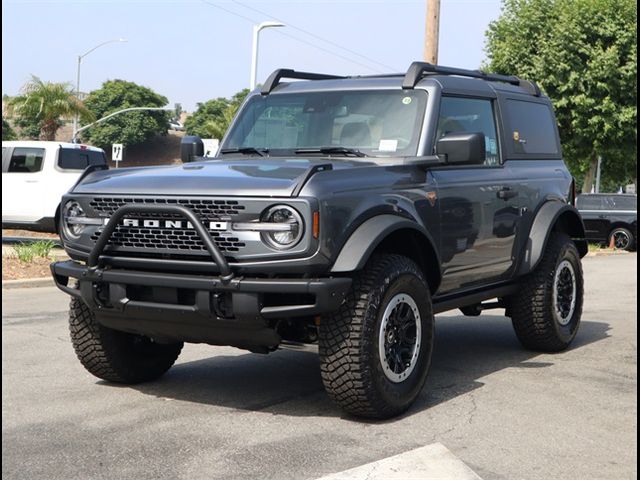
x=31, y=181
x=506, y=193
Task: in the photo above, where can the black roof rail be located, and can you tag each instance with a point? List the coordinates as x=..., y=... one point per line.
x=418, y=69
x=276, y=76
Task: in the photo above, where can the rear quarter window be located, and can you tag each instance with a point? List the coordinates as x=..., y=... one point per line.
x=77, y=159
x=531, y=129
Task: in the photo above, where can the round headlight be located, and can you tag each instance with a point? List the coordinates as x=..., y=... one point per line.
x=72, y=224
x=287, y=229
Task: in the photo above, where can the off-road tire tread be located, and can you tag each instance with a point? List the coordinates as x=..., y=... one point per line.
x=345, y=373
x=96, y=347
x=530, y=308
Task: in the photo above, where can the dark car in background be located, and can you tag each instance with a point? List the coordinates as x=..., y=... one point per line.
x=610, y=217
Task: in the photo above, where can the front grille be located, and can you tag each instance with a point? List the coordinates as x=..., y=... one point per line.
x=182, y=241
x=203, y=208
x=170, y=239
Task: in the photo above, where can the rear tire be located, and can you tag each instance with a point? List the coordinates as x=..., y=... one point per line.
x=117, y=356
x=622, y=239
x=376, y=350
x=546, y=310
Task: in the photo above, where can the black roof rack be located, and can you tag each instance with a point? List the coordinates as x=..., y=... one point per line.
x=275, y=77
x=418, y=69
x=415, y=73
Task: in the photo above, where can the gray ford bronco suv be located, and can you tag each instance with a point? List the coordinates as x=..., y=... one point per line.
x=340, y=211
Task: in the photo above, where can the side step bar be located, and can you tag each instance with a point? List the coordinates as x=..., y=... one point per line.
x=464, y=299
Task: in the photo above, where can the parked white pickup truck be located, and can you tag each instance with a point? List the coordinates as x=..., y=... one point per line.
x=35, y=175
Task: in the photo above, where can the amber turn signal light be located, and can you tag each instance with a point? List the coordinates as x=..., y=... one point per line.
x=316, y=224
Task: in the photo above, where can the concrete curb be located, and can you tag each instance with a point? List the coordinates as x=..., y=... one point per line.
x=607, y=252
x=28, y=283
x=434, y=462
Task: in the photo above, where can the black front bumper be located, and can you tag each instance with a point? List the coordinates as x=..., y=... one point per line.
x=194, y=307
x=111, y=295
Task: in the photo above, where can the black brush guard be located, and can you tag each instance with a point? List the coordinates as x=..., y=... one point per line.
x=104, y=290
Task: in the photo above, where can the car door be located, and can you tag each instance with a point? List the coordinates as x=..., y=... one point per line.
x=22, y=185
x=596, y=221
x=479, y=207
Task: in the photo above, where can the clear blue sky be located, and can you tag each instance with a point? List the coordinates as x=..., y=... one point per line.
x=191, y=51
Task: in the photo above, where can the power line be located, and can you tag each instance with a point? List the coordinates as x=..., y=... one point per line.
x=231, y=12
x=311, y=34
x=329, y=51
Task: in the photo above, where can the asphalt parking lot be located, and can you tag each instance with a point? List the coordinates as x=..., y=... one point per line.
x=221, y=413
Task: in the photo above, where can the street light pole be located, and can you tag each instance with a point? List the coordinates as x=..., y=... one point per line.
x=254, y=54
x=124, y=110
x=80, y=57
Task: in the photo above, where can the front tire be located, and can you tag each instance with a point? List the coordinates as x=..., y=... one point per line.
x=117, y=356
x=376, y=350
x=546, y=310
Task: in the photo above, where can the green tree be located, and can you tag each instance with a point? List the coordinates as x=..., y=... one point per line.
x=129, y=128
x=7, y=131
x=42, y=105
x=582, y=53
x=212, y=118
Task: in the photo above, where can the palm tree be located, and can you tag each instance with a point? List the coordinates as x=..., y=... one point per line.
x=47, y=103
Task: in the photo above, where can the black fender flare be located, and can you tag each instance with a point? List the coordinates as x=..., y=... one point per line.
x=547, y=217
x=363, y=241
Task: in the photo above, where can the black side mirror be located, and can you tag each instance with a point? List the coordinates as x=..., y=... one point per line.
x=191, y=147
x=462, y=147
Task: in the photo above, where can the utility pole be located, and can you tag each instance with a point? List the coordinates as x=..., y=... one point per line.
x=432, y=31
x=598, y=174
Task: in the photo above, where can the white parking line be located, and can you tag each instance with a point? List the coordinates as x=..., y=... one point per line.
x=432, y=462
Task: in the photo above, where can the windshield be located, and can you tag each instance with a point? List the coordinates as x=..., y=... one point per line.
x=378, y=123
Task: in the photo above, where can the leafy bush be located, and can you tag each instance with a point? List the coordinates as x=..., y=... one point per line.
x=7, y=131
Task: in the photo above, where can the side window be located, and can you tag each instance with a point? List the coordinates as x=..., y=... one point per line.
x=73, y=159
x=532, y=128
x=622, y=202
x=470, y=115
x=589, y=202
x=26, y=160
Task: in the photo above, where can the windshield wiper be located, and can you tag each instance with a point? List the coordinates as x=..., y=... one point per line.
x=247, y=151
x=332, y=150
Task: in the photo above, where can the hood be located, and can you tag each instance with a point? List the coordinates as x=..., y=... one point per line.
x=251, y=177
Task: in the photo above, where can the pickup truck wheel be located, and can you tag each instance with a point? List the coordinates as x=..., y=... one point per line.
x=117, y=356
x=547, y=308
x=376, y=350
x=622, y=239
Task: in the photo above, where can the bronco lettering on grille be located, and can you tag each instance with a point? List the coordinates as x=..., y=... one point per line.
x=174, y=224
